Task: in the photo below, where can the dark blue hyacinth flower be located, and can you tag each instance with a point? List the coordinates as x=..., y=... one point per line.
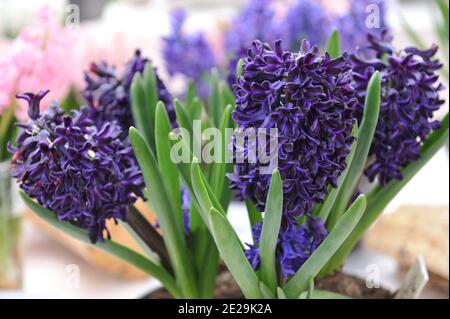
x=188, y=54
x=310, y=100
x=410, y=96
x=107, y=93
x=84, y=174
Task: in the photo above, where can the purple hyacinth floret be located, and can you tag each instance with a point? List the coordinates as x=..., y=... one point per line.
x=307, y=19
x=84, y=174
x=309, y=98
x=409, y=97
x=107, y=93
x=295, y=245
x=188, y=54
x=364, y=17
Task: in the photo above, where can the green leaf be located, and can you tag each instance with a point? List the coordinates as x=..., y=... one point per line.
x=191, y=93
x=443, y=8
x=215, y=106
x=219, y=170
x=202, y=192
x=163, y=207
x=380, y=197
x=239, y=67
x=265, y=291
x=227, y=95
x=325, y=208
x=365, y=136
x=168, y=169
x=281, y=294
x=108, y=246
x=230, y=249
x=334, y=44
x=309, y=270
x=195, y=109
x=142, y=113
x=323, y=294
x=270, y=231
x=6, y=130
x=254, y=216
x=150, y=87
x=182, y=117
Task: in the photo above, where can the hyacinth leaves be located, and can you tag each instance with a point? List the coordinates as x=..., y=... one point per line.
x=109, y=246
x=270, y=231
x=142, y=110
x=167, y=167
x=380, y=197
x=311, y=268
x=160, y=203
x=365, y=137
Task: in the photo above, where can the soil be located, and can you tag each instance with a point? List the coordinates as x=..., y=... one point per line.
x=338, y=282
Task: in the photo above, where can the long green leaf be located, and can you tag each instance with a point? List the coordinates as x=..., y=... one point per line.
x=215, y=105
x=202, y=192
x=254, y=216
x=334, y=44
x=108, y=246
x=382, y=196
x=365, y=136
x=270, y=230
x=239, y=67
x=265, y=291
x=219, y=170
x=150, y=86
x=233, y=255
x=281, y=294
x=227, y=94
x=6, y=130
x=309, y=270
x=219, y=187
x=325, y=208
x=163, y=207
x=182, y=117
x=443, y=8
x=168, y=169
x=142, y=115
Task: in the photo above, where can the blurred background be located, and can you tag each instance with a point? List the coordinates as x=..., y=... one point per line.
x=42, y=263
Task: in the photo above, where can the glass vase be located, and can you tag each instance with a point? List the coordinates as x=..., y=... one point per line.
x=10, y=231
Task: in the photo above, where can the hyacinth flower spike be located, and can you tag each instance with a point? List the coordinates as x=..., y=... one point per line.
x=81, y=177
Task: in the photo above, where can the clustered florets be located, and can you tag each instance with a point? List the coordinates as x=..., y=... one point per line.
x=410, y=95
x=84, y=174
x=108, y=94
x=310, y=100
